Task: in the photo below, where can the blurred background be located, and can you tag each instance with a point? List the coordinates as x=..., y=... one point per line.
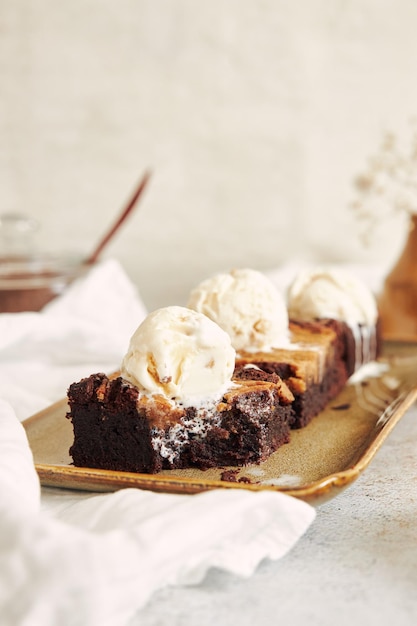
x=255, y=117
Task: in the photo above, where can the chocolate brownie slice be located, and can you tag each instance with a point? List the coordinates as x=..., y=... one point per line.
x=118, y=427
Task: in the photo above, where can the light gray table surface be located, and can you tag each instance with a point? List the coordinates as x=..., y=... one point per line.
x=357, y=563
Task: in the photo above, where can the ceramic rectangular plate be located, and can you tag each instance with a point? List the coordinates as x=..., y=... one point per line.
x=320, y=460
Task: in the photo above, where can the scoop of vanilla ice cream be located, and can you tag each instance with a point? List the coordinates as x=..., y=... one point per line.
x=331, y=293
x=247, y=305
x=181, y=354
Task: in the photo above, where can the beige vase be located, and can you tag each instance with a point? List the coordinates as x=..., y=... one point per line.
x=398, y=300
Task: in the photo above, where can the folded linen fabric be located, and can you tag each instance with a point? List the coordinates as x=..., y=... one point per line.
x=86, y=329
x=98, y=559
x=71, y=558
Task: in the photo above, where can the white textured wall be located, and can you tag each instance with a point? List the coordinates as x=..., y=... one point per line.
x=254, y=115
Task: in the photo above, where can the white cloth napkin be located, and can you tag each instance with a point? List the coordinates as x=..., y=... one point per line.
x=85, y=330
x=70, y=558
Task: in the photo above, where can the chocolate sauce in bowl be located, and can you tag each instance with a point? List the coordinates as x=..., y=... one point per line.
x=29, y=283
x=30, y=279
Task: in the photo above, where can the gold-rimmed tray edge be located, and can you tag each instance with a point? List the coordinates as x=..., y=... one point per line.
x=64, y=475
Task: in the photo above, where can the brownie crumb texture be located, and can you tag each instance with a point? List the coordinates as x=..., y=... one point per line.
x=115, y=428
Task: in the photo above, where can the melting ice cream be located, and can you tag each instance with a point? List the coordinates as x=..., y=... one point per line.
x=181, y=354
x=247, y=305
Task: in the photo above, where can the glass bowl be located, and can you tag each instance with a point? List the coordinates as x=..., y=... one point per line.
x=29, y=283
